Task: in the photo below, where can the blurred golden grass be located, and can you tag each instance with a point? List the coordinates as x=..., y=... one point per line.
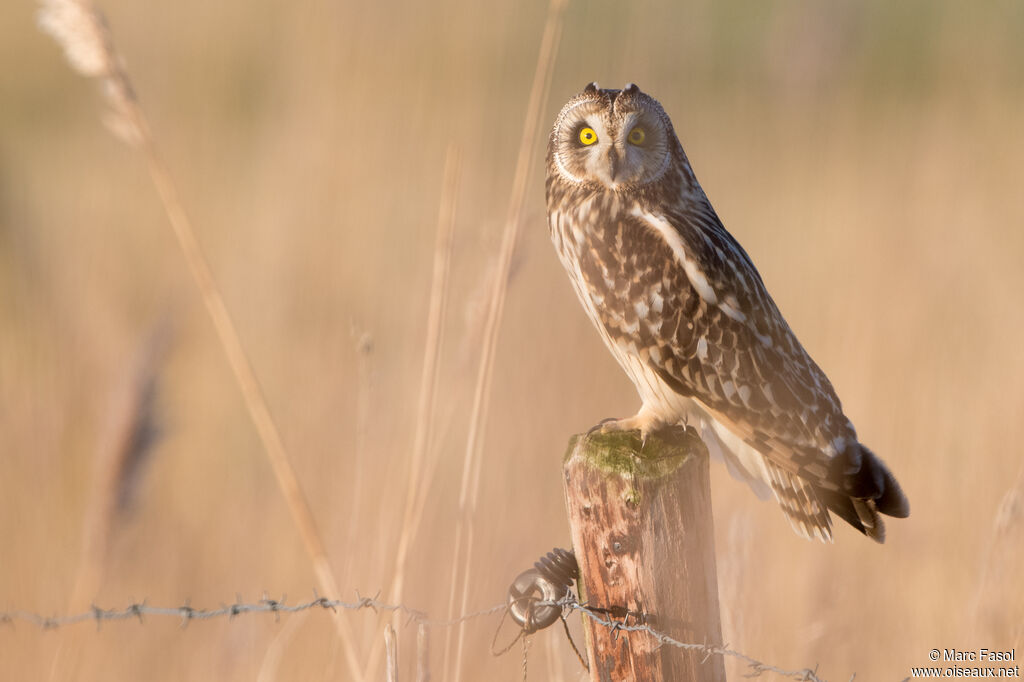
x=867, y=155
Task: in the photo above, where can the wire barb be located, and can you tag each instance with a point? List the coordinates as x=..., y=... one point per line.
x=754, y=666
x=187, y=613
x=566, y=603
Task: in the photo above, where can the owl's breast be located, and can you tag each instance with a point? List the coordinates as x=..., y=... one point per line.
x=625, y=275
x=631, y=289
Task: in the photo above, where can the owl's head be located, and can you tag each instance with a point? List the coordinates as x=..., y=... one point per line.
x=615, y=139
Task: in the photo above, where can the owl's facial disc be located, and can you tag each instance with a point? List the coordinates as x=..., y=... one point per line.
x=614, y=140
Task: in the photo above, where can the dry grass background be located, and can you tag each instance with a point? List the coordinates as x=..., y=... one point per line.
x=868, y=155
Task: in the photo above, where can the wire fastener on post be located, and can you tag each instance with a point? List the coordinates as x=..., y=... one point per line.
x=534, y=595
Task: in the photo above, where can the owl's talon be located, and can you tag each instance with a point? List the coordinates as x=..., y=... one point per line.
x=643, y=422
x=600, y=426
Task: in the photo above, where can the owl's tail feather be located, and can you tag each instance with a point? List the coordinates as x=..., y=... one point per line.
x=862, y=475
x=891, y=501
x=798, y=500
x=868, y=490
x=861, y=514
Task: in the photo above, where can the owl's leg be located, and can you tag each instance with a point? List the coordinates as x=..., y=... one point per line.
x=645, y=421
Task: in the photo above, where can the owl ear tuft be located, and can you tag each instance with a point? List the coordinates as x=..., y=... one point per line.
x=630, y=89
x=592, y=87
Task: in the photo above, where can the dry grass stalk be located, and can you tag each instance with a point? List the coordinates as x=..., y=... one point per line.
x=553, y=664
x=82, y=31
x=997, y=608
x=416, y=490
x=1011, y=510
x=122, y=457
x=422, y=653
x=79, y=27
x=271, y=663
x=364, y=347
x=418, y=481
x=391, y=645
x=471, y=468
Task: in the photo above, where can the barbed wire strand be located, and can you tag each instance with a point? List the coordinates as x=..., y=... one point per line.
x=188, y=613
x=755, y=666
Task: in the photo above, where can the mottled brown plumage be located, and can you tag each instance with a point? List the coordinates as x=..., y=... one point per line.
x=685, y=312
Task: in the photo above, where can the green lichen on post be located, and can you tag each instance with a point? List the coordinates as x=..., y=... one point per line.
x=623, y=453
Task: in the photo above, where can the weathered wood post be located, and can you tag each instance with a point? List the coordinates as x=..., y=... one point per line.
x=644, y=539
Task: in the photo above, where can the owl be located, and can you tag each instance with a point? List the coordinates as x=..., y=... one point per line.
x=686, y=314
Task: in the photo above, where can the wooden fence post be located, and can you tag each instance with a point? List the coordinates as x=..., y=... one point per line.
x=644, y=539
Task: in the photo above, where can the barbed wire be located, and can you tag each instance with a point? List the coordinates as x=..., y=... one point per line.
x=755, y=666
x=188, y=613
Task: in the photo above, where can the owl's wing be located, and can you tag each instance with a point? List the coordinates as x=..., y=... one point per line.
x=731, y=349
x=684, y=294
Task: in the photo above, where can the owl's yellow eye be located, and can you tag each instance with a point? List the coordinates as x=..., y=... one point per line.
x=588, y=136
x=637, y=136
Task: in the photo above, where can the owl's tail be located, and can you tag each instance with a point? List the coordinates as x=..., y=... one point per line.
x=867, y=489
x=859, y=487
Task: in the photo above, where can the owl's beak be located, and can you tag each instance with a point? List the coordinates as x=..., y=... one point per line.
x=613, y=163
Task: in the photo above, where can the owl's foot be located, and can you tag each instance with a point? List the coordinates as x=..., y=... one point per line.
x=644, y=422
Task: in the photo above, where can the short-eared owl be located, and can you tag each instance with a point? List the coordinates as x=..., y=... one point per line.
x=682, y=308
